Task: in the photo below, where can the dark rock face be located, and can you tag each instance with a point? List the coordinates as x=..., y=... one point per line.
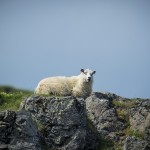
x=7, y=120
x=133, y=143
x=18, y=131
x=61, y=121
x=147, y=134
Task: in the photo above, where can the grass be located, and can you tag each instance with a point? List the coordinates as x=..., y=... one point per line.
x=10, y=97
x=122, y=108
x=10, y=89
x=125, y=104
x=135, y=133
x=123, y=115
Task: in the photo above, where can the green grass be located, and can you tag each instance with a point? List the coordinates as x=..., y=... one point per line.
x=123, y=107
x=125, y=104
x=123, y=114
x=10, y=97
x=135, y=133
x=10, y=89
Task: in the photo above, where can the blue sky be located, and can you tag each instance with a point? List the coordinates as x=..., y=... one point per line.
x=41, y=38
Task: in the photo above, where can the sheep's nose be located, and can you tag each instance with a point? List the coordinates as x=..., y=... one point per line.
x=89, y=78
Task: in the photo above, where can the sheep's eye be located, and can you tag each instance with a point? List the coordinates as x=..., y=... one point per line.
x=85, y=73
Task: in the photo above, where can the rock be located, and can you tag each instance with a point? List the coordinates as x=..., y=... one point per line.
x=140, y=116
x=18, y=131
x=106, y=95
x=69, y=123
x=92, y=139
x=103, y=115
x=61, y=121
x=9, y=116
x=1, y=101
x=147, y=134
x=133, y=143
x=2, y=114
x=25, y=134
x=7, y=120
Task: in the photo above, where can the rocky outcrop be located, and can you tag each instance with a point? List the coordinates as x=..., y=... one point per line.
x=140, y=116
x=102, y=114
x=133, y=143
x=61, y=121
x=18, y=131
x=69, y=123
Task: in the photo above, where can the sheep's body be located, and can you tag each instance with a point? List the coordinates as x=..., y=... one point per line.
x=77, y=86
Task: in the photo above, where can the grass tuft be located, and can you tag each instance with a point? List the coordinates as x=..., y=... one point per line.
x=135, y=133
x=123, y=107
x=125, y=104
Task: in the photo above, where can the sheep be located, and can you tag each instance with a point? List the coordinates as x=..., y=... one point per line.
x=77, y=86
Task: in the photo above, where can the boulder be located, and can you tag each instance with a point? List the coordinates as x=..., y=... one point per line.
x=133, y=143
x=103, y=115
x=18, y=131
x=61, y=121
x=147, y=134
x=139, y=116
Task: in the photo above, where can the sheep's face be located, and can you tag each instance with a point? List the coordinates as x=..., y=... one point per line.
x=87, y=75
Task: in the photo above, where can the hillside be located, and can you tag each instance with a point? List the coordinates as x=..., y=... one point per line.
x=10, y=97
x=103, y=121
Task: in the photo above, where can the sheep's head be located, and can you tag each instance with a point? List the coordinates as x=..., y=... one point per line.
x=87, y=74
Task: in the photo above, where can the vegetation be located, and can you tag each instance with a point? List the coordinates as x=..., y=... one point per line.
x=10, y=97
x=135, y=133
x=127, y=104
x=122, y=108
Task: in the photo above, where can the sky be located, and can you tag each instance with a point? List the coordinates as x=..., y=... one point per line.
x=43, y=38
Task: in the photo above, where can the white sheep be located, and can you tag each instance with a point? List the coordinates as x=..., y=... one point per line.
x=78, y=86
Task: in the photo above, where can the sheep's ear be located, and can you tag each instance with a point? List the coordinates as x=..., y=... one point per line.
x=94, y=72
x=82, y=70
